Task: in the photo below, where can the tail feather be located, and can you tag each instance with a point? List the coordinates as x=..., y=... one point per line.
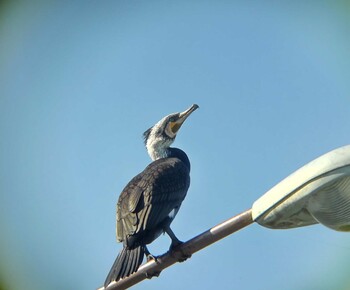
x=128, y=266
x=126, y=263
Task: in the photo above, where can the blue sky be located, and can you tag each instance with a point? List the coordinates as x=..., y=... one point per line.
x=79, y=84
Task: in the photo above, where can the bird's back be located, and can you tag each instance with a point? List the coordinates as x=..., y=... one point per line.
x=151, y=200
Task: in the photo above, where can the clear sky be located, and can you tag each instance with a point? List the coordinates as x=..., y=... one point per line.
x=80, y=82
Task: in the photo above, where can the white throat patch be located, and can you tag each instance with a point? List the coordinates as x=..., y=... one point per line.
x=157, y=144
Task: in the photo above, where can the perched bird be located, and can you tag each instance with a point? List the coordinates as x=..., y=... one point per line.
x=150, y=201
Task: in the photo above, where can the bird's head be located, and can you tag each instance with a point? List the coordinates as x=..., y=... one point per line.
x=159, y=137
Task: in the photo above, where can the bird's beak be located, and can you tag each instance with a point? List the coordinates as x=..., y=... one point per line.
x=175, y=126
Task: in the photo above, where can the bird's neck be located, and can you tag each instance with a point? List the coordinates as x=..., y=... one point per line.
x=170, y=152
x=158, y=153
x=157, y=150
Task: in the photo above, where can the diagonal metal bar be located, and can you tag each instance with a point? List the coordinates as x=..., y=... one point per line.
x=190, y=247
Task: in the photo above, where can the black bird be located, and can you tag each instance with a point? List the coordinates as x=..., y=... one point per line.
x=150, y=201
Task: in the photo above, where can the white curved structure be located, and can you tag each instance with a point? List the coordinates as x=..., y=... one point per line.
x=319, y=192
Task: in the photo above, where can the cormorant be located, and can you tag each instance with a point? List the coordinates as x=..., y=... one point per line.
x=150, y=201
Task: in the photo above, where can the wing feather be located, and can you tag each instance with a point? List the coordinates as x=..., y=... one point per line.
x=148, y=198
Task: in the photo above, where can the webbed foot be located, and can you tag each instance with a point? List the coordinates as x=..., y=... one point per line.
x=149, y=256
x=152, y=274
x=180, y=254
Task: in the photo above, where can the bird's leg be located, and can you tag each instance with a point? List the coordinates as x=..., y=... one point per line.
x=175, y=242
x=149, y=256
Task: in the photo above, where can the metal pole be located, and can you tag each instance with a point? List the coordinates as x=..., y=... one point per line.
x=216, y=233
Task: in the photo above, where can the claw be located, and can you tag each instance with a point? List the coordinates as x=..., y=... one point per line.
x=152, y=274
x=150, y=257
x=180, y=254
